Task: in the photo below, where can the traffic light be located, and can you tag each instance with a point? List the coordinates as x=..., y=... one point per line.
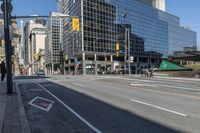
x=117, y=48
x=75, y=24
x=117, y=53
x=66, y=57
x=37, y=57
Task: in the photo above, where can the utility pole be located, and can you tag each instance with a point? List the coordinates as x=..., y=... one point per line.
x=7, y=9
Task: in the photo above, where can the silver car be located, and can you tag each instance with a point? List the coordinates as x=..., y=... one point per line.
x=40, y=73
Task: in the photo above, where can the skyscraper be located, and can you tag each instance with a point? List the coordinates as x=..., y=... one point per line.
x=21, y=43
x=53, y=44
x=152, y=33
x=159, y=4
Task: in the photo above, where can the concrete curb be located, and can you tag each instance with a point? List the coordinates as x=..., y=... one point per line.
x=23, y=119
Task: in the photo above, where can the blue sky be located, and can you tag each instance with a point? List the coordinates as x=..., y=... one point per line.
x=187, y=10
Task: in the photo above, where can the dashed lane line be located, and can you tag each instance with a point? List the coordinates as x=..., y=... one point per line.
x=158, y=107
x=80, y=85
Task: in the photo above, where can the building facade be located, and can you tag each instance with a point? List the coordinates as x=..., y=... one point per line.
x=15, y=44
x=159, y=4
x=28, y=46
x=53, y=44
x=152, y=31
x=21, y=43
x=37, y=39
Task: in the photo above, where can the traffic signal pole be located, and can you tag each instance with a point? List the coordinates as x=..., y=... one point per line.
x=7, y=7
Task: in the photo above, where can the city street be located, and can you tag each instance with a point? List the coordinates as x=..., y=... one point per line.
x=116, y=104
x=99, y=66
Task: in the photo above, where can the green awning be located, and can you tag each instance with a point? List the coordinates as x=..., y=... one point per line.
x=168, y=66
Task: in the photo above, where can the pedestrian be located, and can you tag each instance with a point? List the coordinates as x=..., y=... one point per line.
x=3, y=70
x=146, y=72
x=151, y=72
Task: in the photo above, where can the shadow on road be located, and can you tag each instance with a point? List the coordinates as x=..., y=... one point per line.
x=29, y=77
x=105, y=117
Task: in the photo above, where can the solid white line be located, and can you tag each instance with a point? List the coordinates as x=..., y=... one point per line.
x=79, y=84
x=161, y=108
x=98, y=78
x=71, y=110
x=144, y=85
x=148, y=81
x=57, y=81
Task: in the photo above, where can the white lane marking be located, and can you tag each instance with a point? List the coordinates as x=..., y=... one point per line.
x=98, y=78
x=57, y=81
x=144, y=85
x=177, y=87
x=149, y=81
x=50, y=104
x=161, y=108
x=71, y=110
x=172, y=78
x=79, y=85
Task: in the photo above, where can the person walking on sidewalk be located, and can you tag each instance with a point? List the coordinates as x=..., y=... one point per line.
x=3, y=70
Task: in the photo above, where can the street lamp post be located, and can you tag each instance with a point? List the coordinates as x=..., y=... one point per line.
x=129, y=53
x=127, y=48
x=95, y=55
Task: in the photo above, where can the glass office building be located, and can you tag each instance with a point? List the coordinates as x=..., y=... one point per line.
x=53, y=44
x=152, y=32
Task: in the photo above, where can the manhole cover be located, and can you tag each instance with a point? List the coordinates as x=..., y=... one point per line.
x=41, y=103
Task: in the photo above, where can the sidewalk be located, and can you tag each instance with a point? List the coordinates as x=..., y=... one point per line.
x=160, y=76
x=10, y=121
x=3, y=101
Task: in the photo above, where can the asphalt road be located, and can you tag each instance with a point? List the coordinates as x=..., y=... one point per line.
x=113, y=104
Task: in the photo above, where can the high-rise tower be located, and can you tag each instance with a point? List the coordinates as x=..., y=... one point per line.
x=159, y=4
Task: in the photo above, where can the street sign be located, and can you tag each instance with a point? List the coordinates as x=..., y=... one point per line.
x=78, y=62
x=75, y=24
x=10, y=7
x=131, y=59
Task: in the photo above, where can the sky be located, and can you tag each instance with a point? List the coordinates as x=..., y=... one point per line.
x=187, y=10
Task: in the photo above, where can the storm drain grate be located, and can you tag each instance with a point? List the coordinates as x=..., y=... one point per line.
x=42, y=103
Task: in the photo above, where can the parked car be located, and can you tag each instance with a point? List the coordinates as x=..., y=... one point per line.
x=40, y=72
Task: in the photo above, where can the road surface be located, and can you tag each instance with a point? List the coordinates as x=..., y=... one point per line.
x=112, y=104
